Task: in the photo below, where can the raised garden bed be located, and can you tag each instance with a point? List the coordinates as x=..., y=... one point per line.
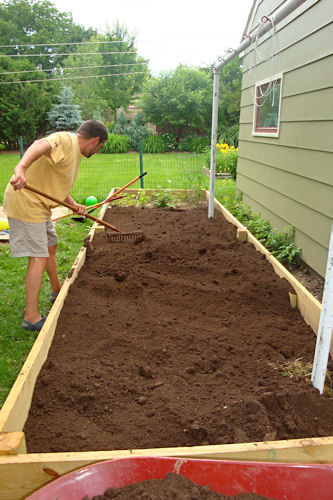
x=219, y=175
x=177, y=345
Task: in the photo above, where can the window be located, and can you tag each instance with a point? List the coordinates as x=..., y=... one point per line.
x=267, y=106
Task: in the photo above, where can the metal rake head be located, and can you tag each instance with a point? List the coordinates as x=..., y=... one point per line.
x=121, y=237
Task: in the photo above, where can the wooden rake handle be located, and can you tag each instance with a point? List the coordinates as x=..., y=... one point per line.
x=71, y=207
x=115, y=196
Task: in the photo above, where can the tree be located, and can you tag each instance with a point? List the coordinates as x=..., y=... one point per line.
x=230, y=93
x=109, y=76
x=135, y=129
x=179, y=100
x=124, y=71
x=87, y=88
x=65, y=115
x=23, y=105
x=25, y=24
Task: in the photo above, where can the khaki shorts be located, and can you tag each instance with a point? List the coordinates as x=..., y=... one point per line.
x=31, y=239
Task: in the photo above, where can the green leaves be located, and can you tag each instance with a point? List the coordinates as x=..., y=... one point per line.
x=179, y=100
x=38, y=33
x=135, y=129
x=65, y=115
x=116, y=143
x=15, y=343
x=153, y=144
x=230, y=94
x=278, y=242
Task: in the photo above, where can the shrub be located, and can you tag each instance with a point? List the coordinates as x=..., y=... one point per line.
x=116, y=143
x=153, y=144
x=170, y=141
x=135, y=129
x=194, y=143
x=185, y=143
x=200, y=144
x=226, y=159
x=109, y=125
x=229, y=135
x=164, y=198
x=279, y=243
x=121, y=123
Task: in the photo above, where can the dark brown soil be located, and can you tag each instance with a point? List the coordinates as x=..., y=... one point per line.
x=311, y=280
x=172, y=487
x=186, y=338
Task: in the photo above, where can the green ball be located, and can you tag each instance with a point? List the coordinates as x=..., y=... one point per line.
x=91, y=200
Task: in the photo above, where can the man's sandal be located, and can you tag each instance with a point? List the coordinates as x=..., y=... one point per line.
x=53, y=296
x=33, y=326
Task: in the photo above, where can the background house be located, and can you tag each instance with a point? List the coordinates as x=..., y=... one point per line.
x=285, y=163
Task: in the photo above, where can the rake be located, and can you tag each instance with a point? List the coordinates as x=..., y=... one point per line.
x=81, y=218
x=112, y=197
x=120, y=236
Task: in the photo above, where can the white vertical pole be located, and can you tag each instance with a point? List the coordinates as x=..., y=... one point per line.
x=325, y=328
x=213, y=143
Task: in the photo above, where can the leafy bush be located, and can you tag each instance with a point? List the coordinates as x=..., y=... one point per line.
x=193, y=143
x=121, y=123
x=153, y=144
x=135, y=129
x=279, y=243
x=116, y=143
x=193, y=181
x=185, y=142
x=199, y=144
x=170, y=141
x=109, y=125
x=226, y=159
x=164, y=198
x=229, y=135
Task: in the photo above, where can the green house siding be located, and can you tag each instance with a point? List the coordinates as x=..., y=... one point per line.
x=289, y=179
x=312, y=251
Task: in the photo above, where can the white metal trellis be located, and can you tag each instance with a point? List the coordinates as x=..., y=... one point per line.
x=286, y=9
x=325, y=330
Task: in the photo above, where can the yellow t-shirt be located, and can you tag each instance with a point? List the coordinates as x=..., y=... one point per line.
x=54, y=174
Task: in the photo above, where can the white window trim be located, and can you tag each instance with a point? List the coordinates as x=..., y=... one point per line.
x=254, y=121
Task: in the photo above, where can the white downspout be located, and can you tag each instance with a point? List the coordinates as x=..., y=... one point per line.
x=213, y=143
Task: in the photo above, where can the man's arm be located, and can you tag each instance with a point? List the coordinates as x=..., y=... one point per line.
x=80, y=209
x=37, y=149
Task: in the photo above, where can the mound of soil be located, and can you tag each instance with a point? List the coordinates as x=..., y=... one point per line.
x=185, y=338
x=172, y=487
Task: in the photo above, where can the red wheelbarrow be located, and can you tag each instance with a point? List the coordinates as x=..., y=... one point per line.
x=274, y=480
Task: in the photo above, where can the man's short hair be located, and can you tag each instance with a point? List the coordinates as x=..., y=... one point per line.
x=93, y=128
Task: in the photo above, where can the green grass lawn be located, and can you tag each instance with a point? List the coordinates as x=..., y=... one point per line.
x=100, y=173
x=97, y=176
x=15, y=343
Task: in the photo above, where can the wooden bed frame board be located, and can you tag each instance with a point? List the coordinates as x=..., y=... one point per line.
x=22, y=473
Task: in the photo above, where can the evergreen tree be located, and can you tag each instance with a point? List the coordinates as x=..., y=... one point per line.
x=65, y=115
x=135, y=129
x=122, y=122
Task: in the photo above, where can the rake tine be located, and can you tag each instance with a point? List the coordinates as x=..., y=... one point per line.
x=121, y=237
